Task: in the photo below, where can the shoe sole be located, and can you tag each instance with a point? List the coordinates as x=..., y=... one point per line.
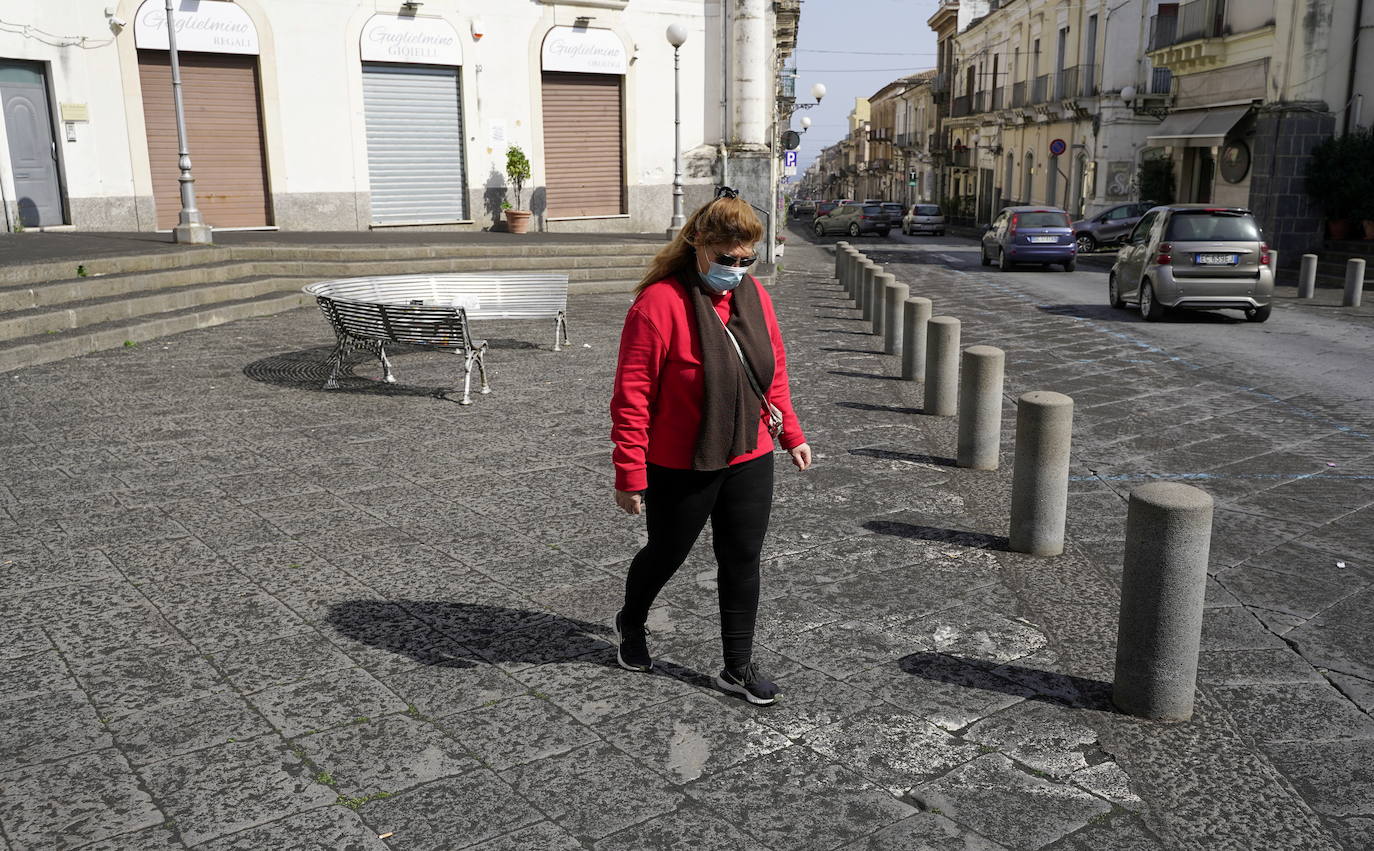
x=726, y=685
x=620, y=660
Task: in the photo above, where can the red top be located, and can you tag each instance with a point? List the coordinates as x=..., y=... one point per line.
x=656, y=404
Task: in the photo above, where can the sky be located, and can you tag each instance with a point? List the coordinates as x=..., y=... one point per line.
x=854, y=47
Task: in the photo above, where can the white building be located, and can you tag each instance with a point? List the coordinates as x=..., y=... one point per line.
x=358, y=114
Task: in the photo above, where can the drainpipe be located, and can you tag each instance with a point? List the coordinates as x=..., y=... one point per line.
x=1354, y=61
x=725, y=78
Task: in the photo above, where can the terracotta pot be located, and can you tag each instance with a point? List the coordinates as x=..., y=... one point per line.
x=518, y=221
x=1338, y=229
x=1368, y=228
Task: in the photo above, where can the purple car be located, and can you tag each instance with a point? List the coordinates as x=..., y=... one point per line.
x=1030, y=235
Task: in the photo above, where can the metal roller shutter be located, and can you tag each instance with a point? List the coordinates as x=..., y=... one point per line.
x=583, y=148
x=414, y=143
x=223, y=128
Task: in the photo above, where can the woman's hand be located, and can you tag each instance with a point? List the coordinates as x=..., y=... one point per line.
x=631, y=502
x=801, y=456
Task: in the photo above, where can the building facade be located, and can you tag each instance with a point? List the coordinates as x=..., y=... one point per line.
x=351, y=115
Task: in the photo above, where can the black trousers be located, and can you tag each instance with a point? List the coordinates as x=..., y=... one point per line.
x=737, y=500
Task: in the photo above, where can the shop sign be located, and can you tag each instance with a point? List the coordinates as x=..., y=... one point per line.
x=410, y=38
x=584, y=50
x=203, y=26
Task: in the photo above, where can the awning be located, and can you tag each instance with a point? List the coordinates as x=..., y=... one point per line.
x=1198, y=128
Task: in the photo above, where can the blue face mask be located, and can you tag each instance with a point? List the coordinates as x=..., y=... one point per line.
x=722, y=279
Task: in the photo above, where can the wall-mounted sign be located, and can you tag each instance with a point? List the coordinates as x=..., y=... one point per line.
x=204, y=26
x=1058, y=147
x=410, y=38
x=1235, y=161
x=75, y=112
x=584, y=50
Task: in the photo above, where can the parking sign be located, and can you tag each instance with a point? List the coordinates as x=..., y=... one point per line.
x=789, y=159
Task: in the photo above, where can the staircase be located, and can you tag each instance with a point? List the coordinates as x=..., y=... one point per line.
x=52, y=311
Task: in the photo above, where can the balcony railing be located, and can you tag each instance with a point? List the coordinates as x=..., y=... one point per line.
x=788, y=83
x=1066, y=83
x=961, y=106
x=979, y=99
x=997, y=94
x=960, y=158
x=1018, y=94
x=1040, y=90
x=1161, y=81
x=1193, y=20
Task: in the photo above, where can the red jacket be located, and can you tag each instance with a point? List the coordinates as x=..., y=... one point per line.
x=656, y=404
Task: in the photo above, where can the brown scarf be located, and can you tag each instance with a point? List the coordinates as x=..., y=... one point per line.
x=730, y=409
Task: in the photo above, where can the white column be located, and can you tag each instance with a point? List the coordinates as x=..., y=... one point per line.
x=751, y=82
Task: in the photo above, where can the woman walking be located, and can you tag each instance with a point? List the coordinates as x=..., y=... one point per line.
x=700, y=393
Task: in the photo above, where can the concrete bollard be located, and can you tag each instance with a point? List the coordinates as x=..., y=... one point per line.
x=1040, y=474
x=942, y=366
x=895, y=295
x=915, y=314
x=839, y=259
x=1307, y=276
x=1168, y=535
x=851, y=271
x=1354, y=282
x=870, y=270
x=879, y=298
x=980, y=407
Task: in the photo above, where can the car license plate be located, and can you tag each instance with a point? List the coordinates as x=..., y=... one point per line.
x=1044, y=239
x=1216, y=259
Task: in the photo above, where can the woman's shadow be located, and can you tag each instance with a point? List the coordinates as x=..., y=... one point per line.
x=468, y=635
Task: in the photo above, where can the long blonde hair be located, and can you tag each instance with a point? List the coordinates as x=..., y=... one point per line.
x=725, y=221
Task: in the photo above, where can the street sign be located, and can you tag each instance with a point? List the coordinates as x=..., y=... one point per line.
x=1058, y=147
x=789, y=159
x=790, y=140
x=789, y=170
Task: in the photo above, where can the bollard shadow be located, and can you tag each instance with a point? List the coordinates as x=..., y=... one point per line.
x=469, y=635
x=845, y=330
x=884, y=409
x=850, y=374
x=1030, y=683
x=850, y=351
x=962, y=537
x=910, y=457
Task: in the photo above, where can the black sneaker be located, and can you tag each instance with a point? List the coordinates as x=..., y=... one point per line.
x=750, y=682
x=633, y=654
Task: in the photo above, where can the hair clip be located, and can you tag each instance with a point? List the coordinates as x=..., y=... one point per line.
x=726, y=192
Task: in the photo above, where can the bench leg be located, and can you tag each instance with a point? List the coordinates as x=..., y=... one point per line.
x=482, y=369
x=335, y=362
x=387, y=375
x=560, y=331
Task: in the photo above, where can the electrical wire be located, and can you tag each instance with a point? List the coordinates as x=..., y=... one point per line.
x=53, y=39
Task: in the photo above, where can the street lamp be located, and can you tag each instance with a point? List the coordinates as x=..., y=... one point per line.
x=1129, y=96
x=805, y=123
x=677, y=36
x=817, y=92
x=190, y=227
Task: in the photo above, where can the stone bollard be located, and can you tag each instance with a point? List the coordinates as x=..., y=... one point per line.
x=879, y=298
x=1040, y=473
x=851, y=271
x=942, y=366
x=1168, y=534
x=980, y=407
x=870, y=271
x=915, y=314
x=1307, y=276
x=1354, y=282
x=895, y=296
x=839, y=259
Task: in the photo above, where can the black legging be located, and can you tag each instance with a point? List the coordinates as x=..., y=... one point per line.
x=738, y=500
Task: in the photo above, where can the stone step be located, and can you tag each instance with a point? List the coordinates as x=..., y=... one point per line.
x=44, y=348
x=44, y=294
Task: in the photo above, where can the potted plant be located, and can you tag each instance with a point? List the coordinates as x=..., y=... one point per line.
x=517, y=172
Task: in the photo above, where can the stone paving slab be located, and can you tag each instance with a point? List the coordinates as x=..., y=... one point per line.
x=241, y=612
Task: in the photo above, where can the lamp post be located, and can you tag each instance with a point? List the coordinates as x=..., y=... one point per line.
x=190, y=227
x=677, y=36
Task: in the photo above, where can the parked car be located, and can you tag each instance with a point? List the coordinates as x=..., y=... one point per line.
x=824, y=208
x=894, y=212
x=1030, y=235
x=803, y=207
x=854, y=219
x=924, y=218
x=1110, y=227
x=1194, y=257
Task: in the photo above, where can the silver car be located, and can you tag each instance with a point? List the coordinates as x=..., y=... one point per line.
x=1194, y=257
x=924, y=218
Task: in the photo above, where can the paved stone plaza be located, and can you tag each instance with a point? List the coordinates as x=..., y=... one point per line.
x=239, y=612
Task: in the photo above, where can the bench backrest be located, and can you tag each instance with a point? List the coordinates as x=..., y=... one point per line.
x=483, y=295
x=446, y=327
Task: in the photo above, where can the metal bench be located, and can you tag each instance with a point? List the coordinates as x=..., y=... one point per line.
x=435, y=311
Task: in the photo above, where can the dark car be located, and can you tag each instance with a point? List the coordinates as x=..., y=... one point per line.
x=1110, y=227
x=854, y=219
x=1030, y=235
x=803, y=207
x=1194, y=257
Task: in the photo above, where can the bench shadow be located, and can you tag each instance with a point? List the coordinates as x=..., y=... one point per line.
x=468, y=635
x=912, y=457
x=884, y=409
x=1030, y=683
x=308, y=369
x=975, y=540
